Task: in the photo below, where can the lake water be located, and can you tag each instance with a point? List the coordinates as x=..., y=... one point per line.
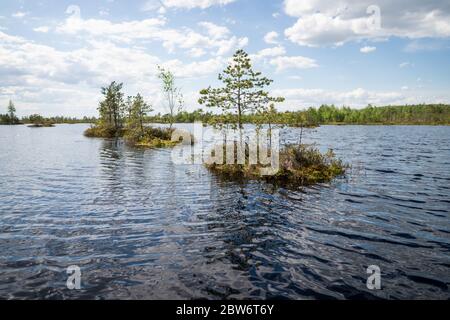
x=142, y=227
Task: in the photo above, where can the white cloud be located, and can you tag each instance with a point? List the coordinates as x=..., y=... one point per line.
x=152, y=5
x=268, y=53
x=404, y=64
x=104, y=12
x=162, y=10
x=214, y=39
x=43, y=29
x=20, y=14
x=215, y=31
x=68, y=82
x=191, y=4
x=296, y=62
x=271, y=37
x=195, y=69
x=404, y=88
x=417, y=45
x=367, y=49
x=302, y=98
x=323, y=23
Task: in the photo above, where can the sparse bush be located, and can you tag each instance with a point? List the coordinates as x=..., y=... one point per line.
x=103, y=132
x=150, y=137
x=300, y=165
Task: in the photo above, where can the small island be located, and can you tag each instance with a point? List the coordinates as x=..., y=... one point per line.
x=299, y=165
x=244, y=92
x=37, y=121
x=120, y=118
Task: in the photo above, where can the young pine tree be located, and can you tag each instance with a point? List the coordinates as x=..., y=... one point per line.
x=12, y=113
x=112, y=107
x=243, y=90
x=137, y=113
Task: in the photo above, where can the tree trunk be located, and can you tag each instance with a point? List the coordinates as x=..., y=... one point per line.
x=239, y=109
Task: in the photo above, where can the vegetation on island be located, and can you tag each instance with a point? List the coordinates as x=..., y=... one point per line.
x=244, y=93
x=299, y=165
x=120, y=118
x=38, y=121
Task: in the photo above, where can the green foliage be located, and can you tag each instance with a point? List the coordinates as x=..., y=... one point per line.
x=112, y=108
x=115, y=112
x=107, y=132
x=438, y=114
x=10, y=118
x=243, y=90
x=137, y=110
x=172, y=93
x=38, y=121
x=300, y=165
x=149, y=137
x=408, y=114
x=11, y=110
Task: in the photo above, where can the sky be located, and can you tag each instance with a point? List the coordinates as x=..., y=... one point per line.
x=55, y=55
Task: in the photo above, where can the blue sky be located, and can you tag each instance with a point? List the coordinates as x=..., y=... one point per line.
x=55, y=55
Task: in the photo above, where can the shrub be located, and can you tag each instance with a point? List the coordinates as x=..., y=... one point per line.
x=299, y=165
x=150, y=137
x=103, y=132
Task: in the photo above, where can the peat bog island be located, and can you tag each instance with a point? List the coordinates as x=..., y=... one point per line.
x=224, y=150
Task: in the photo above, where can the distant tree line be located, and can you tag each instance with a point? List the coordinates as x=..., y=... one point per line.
x=10, y=118
x=425, y=114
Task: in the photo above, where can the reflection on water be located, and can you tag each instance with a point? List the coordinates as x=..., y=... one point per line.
x=141, y=227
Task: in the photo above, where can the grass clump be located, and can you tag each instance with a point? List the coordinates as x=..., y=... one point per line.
x=150, y=137
x=300, y=165
x=107, y=132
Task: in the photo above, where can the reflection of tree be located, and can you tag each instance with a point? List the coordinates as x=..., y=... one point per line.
x=111, y=164
x=123, y=173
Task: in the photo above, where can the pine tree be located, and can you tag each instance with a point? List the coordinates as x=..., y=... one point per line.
x=137, y=112
x=243, y=91
x=112, y=107
x=12, y=113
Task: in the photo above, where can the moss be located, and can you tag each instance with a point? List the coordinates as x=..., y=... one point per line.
x=149, y=137
x=156, y=143
x=103, y=132
x=300, y=165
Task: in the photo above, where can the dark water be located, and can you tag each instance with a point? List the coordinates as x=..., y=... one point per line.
x=141, y=227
